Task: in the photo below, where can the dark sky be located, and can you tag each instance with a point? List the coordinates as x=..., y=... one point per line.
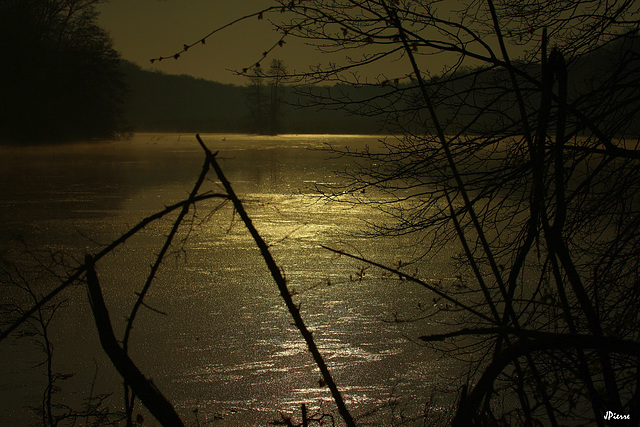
x=143, y=29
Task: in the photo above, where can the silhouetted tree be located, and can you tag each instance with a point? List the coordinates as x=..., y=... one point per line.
x=59, y=72
x=256, y=102
x=265, y=97
x=277, y=75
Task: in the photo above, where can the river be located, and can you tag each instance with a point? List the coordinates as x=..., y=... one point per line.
x=219, y=342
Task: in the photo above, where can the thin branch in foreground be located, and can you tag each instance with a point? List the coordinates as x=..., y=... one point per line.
x=77, y=274
x=201, y=41
x=148, y=393
x=555, y=339
x=405, y=276
x=165, y=247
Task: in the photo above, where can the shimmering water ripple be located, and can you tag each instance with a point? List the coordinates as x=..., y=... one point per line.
x=226, y=345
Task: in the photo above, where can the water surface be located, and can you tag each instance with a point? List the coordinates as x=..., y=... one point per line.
x=225, y=344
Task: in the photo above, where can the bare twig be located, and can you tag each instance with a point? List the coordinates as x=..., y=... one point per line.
x=405, y=276
x=163, y=251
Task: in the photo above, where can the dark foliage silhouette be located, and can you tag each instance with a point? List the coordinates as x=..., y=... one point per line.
x=60, y=74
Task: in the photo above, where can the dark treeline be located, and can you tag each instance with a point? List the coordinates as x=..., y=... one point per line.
x=161, y=102
x=169, y=103
x=60, y=74
x=459, y=96
x=615, y=62
x=62, y=80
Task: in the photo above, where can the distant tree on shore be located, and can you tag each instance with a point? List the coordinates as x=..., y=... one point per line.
x=265, y=97
x=59, y=71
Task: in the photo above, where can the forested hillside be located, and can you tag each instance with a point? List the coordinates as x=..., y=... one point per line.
x=170, y=103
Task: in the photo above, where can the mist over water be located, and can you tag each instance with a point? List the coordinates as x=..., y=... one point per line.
x=225, y=344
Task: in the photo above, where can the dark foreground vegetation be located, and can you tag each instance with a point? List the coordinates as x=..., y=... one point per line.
x=532, y=167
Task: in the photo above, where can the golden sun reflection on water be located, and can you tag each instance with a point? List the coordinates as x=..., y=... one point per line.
x=226, y=344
